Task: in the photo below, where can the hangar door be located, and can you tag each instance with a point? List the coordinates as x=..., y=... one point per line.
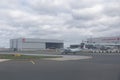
x=54, y=45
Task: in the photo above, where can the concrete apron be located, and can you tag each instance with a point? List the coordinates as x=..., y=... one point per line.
x=69, y=57
x=64, y=58
x=2, y=60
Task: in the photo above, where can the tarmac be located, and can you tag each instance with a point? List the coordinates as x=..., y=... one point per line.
x=62, y=58
x=69, y=57
x=97, y=68
x=2, y=60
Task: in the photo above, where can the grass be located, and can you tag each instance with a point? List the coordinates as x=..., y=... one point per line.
x=13, y=56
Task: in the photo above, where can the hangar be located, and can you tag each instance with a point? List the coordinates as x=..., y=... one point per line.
x=26, y=44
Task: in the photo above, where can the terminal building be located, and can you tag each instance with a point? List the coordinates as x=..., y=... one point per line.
x=29, y=44
x=103, y=42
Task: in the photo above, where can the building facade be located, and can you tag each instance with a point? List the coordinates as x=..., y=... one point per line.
x=104, y=42
x=22, y=44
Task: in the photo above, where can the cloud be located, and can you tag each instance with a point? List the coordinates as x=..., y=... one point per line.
x=70, y=20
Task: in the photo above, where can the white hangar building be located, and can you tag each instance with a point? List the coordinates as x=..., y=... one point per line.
x=22, y=44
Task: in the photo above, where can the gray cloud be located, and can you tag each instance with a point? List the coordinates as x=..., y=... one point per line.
x=70, y=20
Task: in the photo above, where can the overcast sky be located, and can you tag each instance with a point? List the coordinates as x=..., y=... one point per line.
x=69, y=20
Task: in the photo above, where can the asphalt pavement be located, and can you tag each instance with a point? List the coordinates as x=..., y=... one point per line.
x=96, y=68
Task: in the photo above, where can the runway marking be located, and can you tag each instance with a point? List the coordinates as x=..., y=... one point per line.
x=32, y=62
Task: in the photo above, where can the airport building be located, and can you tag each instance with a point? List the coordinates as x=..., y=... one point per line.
x=111, y=42
x=81, y=45
x=29, y=44
x=75, y=46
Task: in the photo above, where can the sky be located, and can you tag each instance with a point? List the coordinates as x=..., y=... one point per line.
x=68, y=20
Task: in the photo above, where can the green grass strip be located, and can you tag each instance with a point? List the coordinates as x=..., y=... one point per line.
x=12, y=56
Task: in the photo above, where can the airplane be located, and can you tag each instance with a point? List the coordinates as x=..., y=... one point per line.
x=71, y=50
